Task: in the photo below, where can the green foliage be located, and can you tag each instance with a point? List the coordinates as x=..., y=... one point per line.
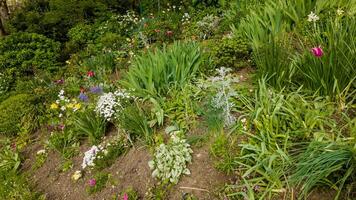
x=41, y=158
x=266, y=29
x=133, y=119
x=53, y=18
x=16, y=187
x=91, y=125
x=153, y=74
x=230, y=52
x=335, y=70
x=106, y=158
x=10, y=159
x=180, y=107
x=224, y=149
x=131, y=194
x=325, y=163
x=27, y=53
x=273, y=31
x=18, y=113
x=170, y=160
x=277, y=123
x=65, y=142
x=101, y=179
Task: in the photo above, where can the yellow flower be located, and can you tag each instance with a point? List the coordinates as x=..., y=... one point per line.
x=70, y=105
x=77, y=106
x=54, y=106
x=77, y=175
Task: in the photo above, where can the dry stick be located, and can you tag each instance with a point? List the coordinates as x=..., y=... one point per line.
x=191, y=188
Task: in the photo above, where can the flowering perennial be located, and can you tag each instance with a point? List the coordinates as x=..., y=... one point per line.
x=110, y=103
x=317, y=52
x=90, y=156
x=312, y=17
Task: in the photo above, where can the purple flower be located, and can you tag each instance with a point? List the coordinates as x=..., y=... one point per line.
x=92, y=182
x=96, y=90
x=317, y=51
x=83, y=97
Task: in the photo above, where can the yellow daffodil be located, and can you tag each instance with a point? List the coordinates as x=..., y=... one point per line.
x=54, y=106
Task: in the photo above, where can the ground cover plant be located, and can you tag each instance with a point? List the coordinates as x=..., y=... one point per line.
x=191, y=99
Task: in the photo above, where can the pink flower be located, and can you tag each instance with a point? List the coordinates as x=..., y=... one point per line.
x=92, y=182
x=126, y=197
x=317, y=51
x=169, y=33
x=90, y=74
x=61, y=127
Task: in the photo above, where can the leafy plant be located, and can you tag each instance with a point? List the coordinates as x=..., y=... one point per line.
x=18, y=112
x=153, y=74
x=334, y=70
x=91, y=125
x=27, y=53
x=325, y=163
x=207, y=26
x=15, y=186
x=230, y=53
x=65, y=142
x=133, y=119
x=224, y=149
x=170, y=160
x=100, y=178
x=107, y=157
x=10, y=158
x=180, y=107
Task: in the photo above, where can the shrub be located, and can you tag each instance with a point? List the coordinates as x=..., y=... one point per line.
x=28, y=52
x=17, y=113
x=53, y=18
x=152, y=74
x=230, y=52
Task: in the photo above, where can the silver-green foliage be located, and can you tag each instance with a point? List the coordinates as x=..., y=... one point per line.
x=170, y=160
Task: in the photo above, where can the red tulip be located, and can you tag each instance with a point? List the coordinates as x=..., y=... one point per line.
x=317, y=52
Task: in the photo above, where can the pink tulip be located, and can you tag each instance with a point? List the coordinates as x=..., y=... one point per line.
x=317, y=52
x=92, y=182
x=126, y=197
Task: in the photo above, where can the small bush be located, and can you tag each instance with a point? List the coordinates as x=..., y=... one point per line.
x=28, y=52
x=17, y=112
x=230, y=52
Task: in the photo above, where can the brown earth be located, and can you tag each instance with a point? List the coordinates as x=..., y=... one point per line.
x=130, y=170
